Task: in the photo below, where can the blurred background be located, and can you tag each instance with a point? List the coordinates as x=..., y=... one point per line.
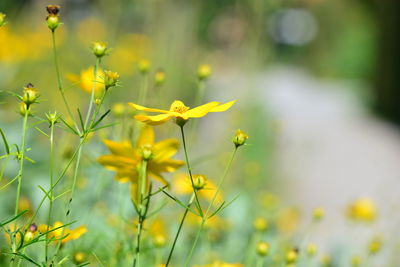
x=317, y=83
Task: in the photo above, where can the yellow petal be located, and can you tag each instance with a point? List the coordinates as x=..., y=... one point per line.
x=158, y=177
x=126, y=175
x=168, y=165
x=223, y=107
x=123, y=148
x=138, y=107
x=154, y=120
x=201, y=111
x=114, y=163
x=165, y=149
x=146, y=137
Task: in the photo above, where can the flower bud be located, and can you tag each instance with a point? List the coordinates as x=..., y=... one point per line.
x=204, y=71
x=99, y=49
x=262, y=248
x=118, y=110
x=159, y=77
x=291, y=256
x=110, y=79
x=30, y=95
x=97, y=101
x=260, y=224
x=29, y=236
x=23, y=109
x=144, y=66
x=199, y=181
x=159, y=241
x=318, y=214
x=355, y=261
x=311, y=250
x=53, y=20
x=146, y=152
x=33, y=227
x=79, y=257
x=52, y=118
x=375, y=245
x=2, y=19
x=240, y=138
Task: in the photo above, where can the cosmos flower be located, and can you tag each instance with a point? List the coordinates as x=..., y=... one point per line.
x=126, y=159
x=86, y=78
x=179, y=111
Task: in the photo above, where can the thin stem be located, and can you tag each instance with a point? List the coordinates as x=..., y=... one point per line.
x=96, y=66
x=21, y=162
x=142, y=210
x=260, y=262
x=51, y=194
x=204, y=218
x=179, y=230
x=60, y=87
x=190, y=171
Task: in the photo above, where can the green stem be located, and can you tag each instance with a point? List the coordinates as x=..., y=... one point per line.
x=60, y=87
x=179, y=230
x=204, y=218
x=51, y=186
x=96, y=66
x=142, y=210
x=190, y=172
x=260, y=262
x=21, y=162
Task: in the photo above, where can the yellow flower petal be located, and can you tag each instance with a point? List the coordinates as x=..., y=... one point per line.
x=146, y=137
x=202, y=110
x=154, y=120
x=138, y=107
x=165, y=149
x=223, y=107
x=123, y=148
x=112, y=162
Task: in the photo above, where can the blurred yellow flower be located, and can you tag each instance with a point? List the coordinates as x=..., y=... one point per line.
x=363, y=209
x=179, y=111
x=288, y=220
x=63, y=231
x=125, y=159
x=86, y=79
x=183, y=186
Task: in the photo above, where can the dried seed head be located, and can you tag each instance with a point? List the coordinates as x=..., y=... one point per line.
x=53, y=9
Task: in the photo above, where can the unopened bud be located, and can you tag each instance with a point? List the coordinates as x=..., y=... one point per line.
x=146, y=152
x=199, y=181
x=53, y=20
x=144, y=66
x=30, y=95
x=23, y=109
x=52, y=118
x=99, y=49
x=79, y=257
x=159, y=241
x=29, y=236
x=2, y=19
x=262, y=248
x=318, y=214
x=260, y=224
x=204, y=71
x=110, y=78
x=159, y=77
x=240, y=138
x=291, y=256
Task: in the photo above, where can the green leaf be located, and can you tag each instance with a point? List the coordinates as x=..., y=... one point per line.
x=5, y=141
x=180, y=203
x=13, y=218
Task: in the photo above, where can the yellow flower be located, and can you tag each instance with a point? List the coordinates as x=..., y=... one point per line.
x=63, y=231
x=183, y=186
x=86, y=78
x=362, y=209
x=125, y=159
x=179, y=111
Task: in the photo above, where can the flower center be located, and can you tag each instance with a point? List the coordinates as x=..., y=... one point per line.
x=180, y=109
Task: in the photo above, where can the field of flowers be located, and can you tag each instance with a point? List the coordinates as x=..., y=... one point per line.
x=119, y=148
